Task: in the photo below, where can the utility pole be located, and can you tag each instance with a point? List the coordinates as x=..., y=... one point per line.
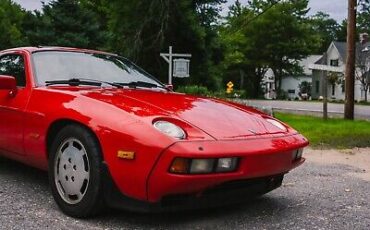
x=350, y=63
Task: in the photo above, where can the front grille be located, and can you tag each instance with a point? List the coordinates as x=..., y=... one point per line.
x=261, y=184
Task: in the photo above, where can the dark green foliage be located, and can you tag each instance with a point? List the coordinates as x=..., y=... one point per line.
x=11, y=19
x=305, y=87
x=194, y=90
x=342, y=32
x=64, y=23
x=143, y=29
x=363, y=17
x=326, y=28
x=267, y=34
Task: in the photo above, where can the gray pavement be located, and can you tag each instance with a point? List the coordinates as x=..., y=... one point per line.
x=314, y=196
x=310, y=107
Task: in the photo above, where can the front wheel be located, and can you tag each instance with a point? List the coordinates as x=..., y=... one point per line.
x=75, y=172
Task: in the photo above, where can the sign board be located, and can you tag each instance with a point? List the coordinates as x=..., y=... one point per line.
x=181, y=68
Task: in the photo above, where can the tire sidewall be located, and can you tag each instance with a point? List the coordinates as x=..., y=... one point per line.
x=89, y=205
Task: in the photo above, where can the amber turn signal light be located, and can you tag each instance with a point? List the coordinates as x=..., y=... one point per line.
x=180, y=165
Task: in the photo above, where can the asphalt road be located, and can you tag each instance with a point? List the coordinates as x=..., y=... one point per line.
x=322, y=194
x=361, y=111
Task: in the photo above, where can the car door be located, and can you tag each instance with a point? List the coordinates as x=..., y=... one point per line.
x=12, y=107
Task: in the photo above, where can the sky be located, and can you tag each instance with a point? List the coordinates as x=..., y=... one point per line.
x=337, y=9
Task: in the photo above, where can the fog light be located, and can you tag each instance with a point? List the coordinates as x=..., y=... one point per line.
x=202, y=166
x=226, y=164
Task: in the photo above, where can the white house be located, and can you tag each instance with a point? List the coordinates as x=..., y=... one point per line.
x=332, y=66
x=290, y=84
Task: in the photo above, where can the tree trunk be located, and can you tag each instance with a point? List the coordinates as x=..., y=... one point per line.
x=278, y=80
x=242, y=74
x=366, y=90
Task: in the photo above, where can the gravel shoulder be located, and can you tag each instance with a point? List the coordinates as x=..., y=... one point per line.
x=330, y=191
x=357, y=158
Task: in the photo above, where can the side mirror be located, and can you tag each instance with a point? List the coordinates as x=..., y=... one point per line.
x=169, y=87
x=8, y=83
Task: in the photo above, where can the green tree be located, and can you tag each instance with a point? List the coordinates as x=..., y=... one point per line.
x=142, y=29
x=290, y=37
x=342, y=32
x=11, y=18
x=326, y=28
x=244, y=61
x=363, y=22
x=268, y=34
x=65, y=23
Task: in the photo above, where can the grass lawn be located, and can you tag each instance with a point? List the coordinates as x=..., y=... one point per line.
x=333, y=133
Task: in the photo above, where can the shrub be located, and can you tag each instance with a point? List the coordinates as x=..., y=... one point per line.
x=203, y=91
x=194, y=90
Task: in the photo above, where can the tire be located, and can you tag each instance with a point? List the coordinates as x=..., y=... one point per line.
x=76, y=172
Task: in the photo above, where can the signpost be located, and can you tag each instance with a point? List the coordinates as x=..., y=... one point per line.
x=182, y=66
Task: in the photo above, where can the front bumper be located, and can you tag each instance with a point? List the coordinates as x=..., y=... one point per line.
x=262, y=165
x=259, y=158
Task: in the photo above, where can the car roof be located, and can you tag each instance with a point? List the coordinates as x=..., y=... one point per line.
x=33, y=49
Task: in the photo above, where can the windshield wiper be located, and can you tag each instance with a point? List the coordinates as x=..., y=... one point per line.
x=135, y=84
x=81, y=81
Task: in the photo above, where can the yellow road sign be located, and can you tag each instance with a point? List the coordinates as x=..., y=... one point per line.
x=229, y=88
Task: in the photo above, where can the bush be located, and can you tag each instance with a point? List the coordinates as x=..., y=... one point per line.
x=364, y=102
x=282, y=95
x=194, y=90
x=203, y=91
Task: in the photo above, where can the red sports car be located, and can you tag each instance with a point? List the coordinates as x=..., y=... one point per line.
x=111, y=134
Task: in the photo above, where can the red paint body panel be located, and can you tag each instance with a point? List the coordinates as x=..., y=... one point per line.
x=7, y=82
x=122, y=119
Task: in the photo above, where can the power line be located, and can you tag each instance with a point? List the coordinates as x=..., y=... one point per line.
x=259, y=15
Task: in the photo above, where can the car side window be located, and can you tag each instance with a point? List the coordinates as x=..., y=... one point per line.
x=13, y=65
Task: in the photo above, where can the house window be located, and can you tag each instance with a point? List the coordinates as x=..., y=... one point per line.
x=334, y=62
x=333, y=89
x=317, y=86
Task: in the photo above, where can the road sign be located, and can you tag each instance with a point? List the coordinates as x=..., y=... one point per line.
x=229, y=88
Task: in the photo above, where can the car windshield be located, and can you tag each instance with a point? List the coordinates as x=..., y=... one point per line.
x=65, y=65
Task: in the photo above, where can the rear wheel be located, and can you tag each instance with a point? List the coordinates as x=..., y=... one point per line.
x=75, y=172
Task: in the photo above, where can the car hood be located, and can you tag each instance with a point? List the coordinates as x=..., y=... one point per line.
x=219, y=119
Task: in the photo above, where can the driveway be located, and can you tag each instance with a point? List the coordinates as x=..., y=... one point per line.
x=330, y=191
x=310, y=107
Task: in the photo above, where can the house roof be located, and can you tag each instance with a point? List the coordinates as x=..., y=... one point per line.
x=342, y=49
x=305, y=63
